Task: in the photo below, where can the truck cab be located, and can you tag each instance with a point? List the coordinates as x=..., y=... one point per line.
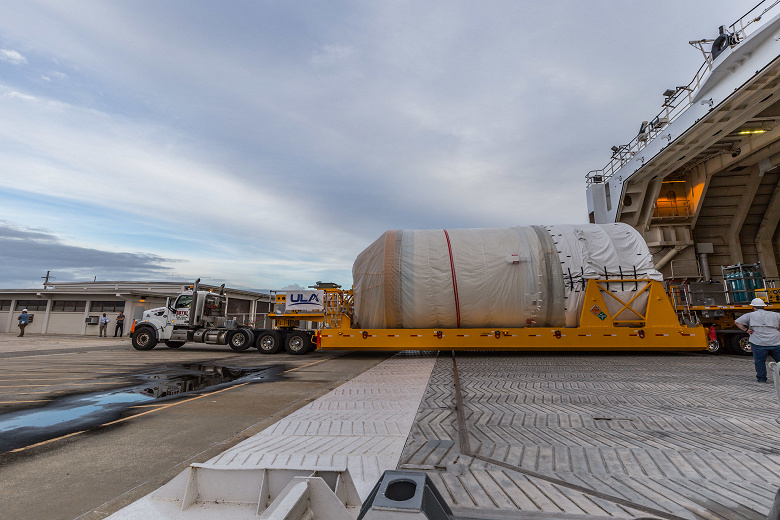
x=192, y=315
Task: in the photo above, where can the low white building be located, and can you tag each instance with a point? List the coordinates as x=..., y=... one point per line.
x=74, y=307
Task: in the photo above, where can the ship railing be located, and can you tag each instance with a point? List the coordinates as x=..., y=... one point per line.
x=740, y=26
x=672, y=208
x=676, y=101
x=674, y=104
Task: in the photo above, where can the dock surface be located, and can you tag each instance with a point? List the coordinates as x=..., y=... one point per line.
x=542, y=436
x=535, y=436
x=693, y=436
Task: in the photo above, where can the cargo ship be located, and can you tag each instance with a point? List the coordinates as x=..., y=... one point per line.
x=699, y=180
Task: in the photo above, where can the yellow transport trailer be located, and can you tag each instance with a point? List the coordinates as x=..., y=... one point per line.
x=655, y=327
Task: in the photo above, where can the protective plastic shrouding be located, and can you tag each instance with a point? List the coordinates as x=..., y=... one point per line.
x=507, y=277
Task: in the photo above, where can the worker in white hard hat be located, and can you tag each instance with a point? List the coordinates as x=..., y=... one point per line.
x=764, y=329
x=24, y=319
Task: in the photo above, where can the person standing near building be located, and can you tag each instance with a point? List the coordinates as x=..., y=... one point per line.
x=24, y=319
x=764, y=329
x=120, y=324
x=103, y=325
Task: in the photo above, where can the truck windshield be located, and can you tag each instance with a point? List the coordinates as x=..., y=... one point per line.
x=183, y=301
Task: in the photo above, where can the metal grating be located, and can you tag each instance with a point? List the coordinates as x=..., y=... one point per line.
x=690, y=435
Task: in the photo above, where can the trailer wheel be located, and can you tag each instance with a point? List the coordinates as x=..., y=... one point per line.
x=297, y=343
x=240, y=340
x=144, y=339
x=174, y=344
x=715, y=346
x=269, y=342
x=740, y=344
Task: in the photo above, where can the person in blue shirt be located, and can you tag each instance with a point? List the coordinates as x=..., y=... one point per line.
x=764, y=329
x=24, y=319
x=103, y=325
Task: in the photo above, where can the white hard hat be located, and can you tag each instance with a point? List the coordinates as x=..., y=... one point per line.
x=757, y=302
x=24, y=310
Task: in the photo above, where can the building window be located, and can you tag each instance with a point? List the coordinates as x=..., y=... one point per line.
x=238, y=306
x=31, y=305
x=5, y=305
x=68, y=306
x=107, y=306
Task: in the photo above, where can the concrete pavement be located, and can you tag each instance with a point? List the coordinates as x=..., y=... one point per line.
x=91, y=473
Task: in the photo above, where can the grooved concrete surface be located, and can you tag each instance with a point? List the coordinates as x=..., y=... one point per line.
x=692, y=435
x=362, y=425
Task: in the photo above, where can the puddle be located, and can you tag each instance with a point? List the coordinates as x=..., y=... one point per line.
x=85, y=411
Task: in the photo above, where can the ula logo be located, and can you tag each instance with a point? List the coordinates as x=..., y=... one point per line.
x=300, y=299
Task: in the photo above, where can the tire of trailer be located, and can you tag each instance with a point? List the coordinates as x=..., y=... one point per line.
x=740, y=344
x=269, y=342
x=715, y=346
x=144, y=338
x=297, y=343
x=174, y=344
x=240, y=340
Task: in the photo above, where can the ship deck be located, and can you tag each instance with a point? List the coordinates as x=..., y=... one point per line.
x=539, y=436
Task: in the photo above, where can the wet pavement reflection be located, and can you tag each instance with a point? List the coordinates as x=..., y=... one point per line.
x=81, y=412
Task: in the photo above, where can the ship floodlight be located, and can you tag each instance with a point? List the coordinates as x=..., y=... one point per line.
x=670, y=92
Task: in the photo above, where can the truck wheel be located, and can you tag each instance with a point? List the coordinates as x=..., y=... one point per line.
x=269, y=342
x=740, y=344
x=240, y=340
x=715, y=346
x=174, y=344
x=144, y=339
x=297, y=343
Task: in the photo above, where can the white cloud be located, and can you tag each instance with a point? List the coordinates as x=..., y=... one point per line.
x=145, y=169
x=8, y=93
x=12, y=56
x=293, y=287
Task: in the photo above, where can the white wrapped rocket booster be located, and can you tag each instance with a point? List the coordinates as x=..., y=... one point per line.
x=507, y=277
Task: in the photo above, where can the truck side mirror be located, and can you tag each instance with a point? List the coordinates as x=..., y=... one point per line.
x=168, y=303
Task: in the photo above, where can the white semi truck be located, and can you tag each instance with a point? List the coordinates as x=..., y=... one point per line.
x=201, y=317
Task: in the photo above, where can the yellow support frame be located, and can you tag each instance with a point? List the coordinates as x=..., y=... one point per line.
x=656, y=328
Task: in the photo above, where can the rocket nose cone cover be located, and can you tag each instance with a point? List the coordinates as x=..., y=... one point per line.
x=498, y=277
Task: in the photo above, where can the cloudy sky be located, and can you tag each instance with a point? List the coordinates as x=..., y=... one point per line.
x=266, y=143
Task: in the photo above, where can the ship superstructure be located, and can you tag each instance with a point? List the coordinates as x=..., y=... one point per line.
x=700, y=179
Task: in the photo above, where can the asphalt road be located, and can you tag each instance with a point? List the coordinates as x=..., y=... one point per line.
x=134, y=430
